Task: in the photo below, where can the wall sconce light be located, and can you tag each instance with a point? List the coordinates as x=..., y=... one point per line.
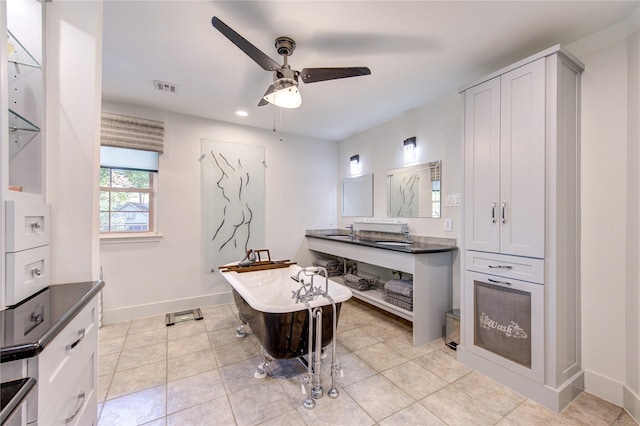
x=354, y=162
x=410, y=150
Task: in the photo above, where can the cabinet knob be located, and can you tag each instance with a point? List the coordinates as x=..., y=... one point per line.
x=36, y=226
x=36, y=272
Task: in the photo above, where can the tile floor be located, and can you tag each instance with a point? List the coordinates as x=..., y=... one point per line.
x=200, y=373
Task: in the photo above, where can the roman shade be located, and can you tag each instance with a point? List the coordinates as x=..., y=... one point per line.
x=122, y=131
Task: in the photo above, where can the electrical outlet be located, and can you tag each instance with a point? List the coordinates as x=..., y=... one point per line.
x=448, y=225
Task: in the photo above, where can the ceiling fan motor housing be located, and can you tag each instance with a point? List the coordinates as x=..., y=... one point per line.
x=287, y=73
x=285, y=46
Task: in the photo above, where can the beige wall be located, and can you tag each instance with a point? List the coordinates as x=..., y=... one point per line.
x=610, y=162
x=632, y=391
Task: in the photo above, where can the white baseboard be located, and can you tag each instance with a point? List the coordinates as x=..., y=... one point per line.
x=604, y=387
x=140, y=311
x=632, y=403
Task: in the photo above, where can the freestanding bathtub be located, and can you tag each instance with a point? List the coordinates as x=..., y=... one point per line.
x=265, y=301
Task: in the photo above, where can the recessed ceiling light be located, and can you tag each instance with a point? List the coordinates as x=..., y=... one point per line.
x=242, y=113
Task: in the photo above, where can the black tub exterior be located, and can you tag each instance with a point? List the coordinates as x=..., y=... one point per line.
x=285, y=335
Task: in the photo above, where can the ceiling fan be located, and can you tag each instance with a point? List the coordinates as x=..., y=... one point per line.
x=284, y=90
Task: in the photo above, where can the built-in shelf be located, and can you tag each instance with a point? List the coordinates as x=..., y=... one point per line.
x=21, y=132
x=18, y=54
x=375, y=297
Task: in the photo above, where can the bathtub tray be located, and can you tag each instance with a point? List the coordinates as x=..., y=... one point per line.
x=257, y=266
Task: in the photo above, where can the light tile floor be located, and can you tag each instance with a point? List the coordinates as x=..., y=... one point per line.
x=200, y=373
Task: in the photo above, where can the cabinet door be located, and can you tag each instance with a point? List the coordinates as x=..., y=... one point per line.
x=482, y=166
x=522, y=152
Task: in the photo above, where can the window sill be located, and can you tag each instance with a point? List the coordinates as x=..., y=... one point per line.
x=129, y=238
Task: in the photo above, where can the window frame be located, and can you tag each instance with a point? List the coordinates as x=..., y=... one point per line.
x=151, y=191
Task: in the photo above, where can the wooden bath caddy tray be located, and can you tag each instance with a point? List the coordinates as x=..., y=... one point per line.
x=259, y=265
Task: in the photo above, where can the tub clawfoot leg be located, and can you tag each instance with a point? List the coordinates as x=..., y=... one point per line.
x=261, y=370
x=240, y=331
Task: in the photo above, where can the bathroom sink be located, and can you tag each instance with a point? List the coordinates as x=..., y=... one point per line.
x=393, y=243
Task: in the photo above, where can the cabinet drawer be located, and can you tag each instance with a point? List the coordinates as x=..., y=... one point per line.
x=71, y=348
x=519, y=268
x=27, y=273
x=75, y=403
x=27, y=225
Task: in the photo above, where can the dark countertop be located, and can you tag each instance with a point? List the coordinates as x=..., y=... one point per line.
x=417, y=247
x=30, y=325
x=12, y=394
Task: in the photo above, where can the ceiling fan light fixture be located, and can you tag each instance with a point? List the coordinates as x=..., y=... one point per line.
x=285, y=94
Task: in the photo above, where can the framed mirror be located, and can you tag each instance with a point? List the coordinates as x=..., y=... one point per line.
x=357, y=196
x=414, y=191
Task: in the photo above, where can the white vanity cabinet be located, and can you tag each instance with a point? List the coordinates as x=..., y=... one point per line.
x=66, y=372
x=521, y=227
x=432, y=282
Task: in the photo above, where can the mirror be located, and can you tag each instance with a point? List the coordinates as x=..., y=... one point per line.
x=357, y=196
x=414, y=191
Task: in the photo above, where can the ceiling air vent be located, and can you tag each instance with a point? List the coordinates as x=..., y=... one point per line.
x=163, y=86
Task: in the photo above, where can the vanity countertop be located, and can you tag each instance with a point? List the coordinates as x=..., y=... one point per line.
x=36, y=321
x=416, y=247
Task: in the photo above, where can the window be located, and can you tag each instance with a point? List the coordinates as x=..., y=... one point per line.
x=130, y=148
x=126, y=200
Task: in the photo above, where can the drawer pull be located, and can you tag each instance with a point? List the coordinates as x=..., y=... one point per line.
x=500, y=267
x=36, y=226
x=36, y=272
x=75, y=413
x=498, y=282
x=36, y=320
x=74, y=344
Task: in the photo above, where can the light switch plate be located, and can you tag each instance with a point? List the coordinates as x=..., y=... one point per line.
x=448, y=224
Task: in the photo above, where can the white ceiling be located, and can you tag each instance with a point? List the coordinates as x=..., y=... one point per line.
x=417, y=51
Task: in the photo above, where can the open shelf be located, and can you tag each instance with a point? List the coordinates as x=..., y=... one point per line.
x=18, y=54
x=21, y=132
x=375, y=297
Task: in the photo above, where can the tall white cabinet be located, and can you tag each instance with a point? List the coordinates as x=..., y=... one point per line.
x=520, y=293
x=24, y=216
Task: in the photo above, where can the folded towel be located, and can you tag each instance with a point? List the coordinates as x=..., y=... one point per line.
x=356, y=282
x=403, y=287
x=326, y=262
x=353, y=278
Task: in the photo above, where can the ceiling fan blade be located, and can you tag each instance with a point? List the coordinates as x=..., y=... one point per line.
x=312, y=75
x=263, y=101
x=253, y=52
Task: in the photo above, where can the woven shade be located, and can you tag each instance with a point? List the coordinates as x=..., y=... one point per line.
x=435, y=172
x=122, y=131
